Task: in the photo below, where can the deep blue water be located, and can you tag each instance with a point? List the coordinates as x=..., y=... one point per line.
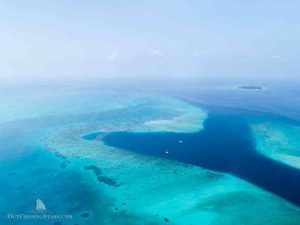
x=225, y=145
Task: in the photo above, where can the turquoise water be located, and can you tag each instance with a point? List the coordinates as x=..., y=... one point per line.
x=64, y=184
x=29, y=172
x=87, y=155
x=225, y=145
x=40, y=175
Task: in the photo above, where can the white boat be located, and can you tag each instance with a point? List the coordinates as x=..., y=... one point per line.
x=40, y=206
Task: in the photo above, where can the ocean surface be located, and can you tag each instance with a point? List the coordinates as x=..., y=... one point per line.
x=178, y=157
x=225, y=145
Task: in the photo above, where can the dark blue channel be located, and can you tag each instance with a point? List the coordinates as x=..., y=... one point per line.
x=225, y=145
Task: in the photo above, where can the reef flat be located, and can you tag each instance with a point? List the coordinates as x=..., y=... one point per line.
x=278, y=140
x=158, y=190
x=55, y=150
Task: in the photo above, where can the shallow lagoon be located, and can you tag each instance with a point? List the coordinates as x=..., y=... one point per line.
x=45, y=156
x=224, y=145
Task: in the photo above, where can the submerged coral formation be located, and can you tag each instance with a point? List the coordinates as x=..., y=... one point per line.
x=278, y=140
x=101, y=184
x=158, y=190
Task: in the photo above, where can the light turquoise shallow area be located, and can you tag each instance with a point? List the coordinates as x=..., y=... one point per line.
x=43, y=155
x=278, y=140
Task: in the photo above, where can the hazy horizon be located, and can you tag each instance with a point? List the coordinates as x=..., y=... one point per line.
x=252, y=40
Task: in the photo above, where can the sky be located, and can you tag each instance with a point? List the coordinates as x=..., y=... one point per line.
x=190, y=38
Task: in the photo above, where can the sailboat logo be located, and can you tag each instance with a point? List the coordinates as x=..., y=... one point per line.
x=40, y=206
x=40, y=212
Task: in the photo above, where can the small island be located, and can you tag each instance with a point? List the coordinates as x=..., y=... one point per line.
x=251, y=87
